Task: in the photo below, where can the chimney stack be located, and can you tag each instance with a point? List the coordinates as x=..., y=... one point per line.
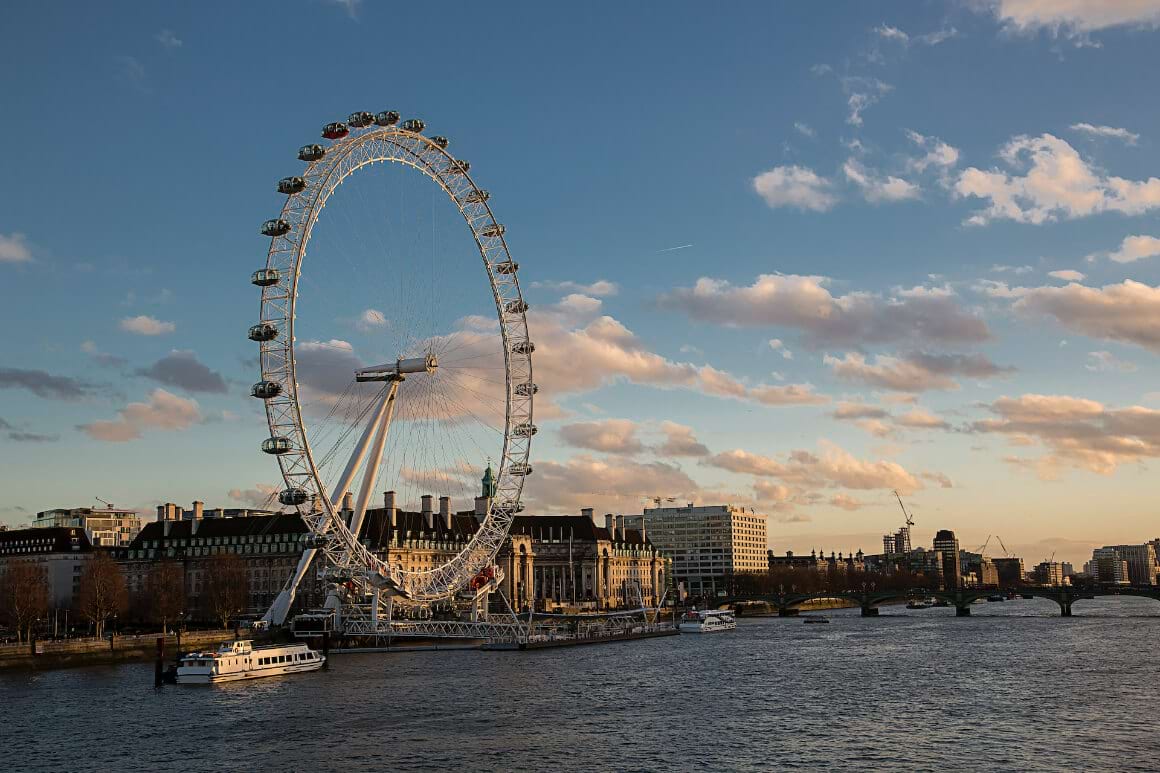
x=445, y=511
x=587, y=513
x=198, y=510
x=389, y=506
x=643, y=532
x=428, y=514
x=620, y=528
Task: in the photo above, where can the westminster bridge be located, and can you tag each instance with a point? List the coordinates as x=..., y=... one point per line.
x=870, y=599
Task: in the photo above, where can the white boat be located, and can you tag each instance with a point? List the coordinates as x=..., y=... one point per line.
x=707, y=621
x=239, y=660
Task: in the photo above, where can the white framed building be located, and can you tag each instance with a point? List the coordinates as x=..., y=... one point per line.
x=708, y=544
x=108, y=527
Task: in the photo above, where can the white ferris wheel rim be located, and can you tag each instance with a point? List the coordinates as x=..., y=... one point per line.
x=323, y=176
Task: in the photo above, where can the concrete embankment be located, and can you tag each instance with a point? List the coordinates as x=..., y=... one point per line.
x=115, y=649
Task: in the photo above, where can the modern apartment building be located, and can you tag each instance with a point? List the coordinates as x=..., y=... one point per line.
x=946, y=544
x=108, y=527
x=709, y=544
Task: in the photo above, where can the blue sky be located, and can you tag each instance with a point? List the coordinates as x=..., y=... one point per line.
x=906, y=177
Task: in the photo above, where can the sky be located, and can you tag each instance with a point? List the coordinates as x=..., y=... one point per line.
x=792, y=257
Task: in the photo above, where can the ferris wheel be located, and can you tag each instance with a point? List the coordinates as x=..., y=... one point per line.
x=399, y=350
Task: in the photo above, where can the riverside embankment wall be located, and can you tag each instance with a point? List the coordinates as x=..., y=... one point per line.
x=81, y=652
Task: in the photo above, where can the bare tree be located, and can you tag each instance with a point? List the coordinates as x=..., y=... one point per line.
x=227, y=587
x=165, y=591
x=23, y=596
x=102, y=592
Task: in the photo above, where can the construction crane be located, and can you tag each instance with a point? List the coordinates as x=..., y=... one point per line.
x=909, y=519
x=983, y=549
x=109, y=505
x=1006, y=552
x=657, y=500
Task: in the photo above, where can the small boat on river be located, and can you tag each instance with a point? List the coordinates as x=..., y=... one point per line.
x=707, y=621
x=238, y=660
x=816, y=620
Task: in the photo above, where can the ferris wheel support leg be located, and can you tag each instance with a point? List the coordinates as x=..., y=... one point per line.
x=371, y=475
x=276, y=614
x=360, y=451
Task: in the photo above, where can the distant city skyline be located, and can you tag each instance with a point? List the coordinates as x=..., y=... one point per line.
x=788, y=258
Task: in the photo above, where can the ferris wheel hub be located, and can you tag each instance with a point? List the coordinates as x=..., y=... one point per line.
x=393, y=371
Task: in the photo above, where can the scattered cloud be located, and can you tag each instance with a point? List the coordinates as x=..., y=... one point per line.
x=680, y=441
x=862, y=93
x=1134, y=248
x=262, y=496
x=130, y=72
x=1106, y=131
x=1068, y=18
x=1106, y=362
x=778, y=346
x=46, y=385
x=1128, y=312
x=371, y=319
x=168, y=39
x=147, y=326
x=181, y=368
x=877, y=188
x=920, y=418
x=1075, y=432
x=19, y=435
x=1057, y=183
x=103, y=359
x=1067, y=275
x=600, y=287
x=833, y=468
x=615, y=485
x=914, y=372
x=352, y=7
x=886, y=32
x=805, y=129
x=163, y=411
x=795, y=186
x=846, y=502
x=14, y=248
x=611, y=436
x=938, y=478
x=938, y=154
x=804, y=303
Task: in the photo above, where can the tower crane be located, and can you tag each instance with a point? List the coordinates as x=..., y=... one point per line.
x=1006, y=552
x=906, y=515
x=105, y=503
x=983, y=549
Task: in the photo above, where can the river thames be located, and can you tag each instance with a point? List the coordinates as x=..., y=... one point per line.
x=910, y=690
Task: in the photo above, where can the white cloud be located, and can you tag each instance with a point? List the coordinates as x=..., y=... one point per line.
x=167, y=39
x=1106, y=362
x=600, y=287
x=876, y=187
x=833, y=468
x=612, y=436
x=680, y=441
x=795, y=186
x=350, y=6
x=147, y=326
x=1067, y=275
x=938, y=154
x=1128, y=312
x=1135, y=248
x=1106, y=131
x=861, y=94
x=804, y=303
x=14, y=249
x=886, y=32
x=805, y=129
x=163, y=411
x=263, y=496
x=915, y=372
x=371, y=319
x=612, y=485
x=777, y=345
x=1070, y=17
x=1058, y=183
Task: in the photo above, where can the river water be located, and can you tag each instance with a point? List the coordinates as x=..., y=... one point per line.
x=1015, y=687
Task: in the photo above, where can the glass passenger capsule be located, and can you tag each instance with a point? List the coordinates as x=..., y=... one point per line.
x=314, y=541
x=311, y=152
x=441, y=141
x=477, y=197
x=264, y=277
x=293, y=496
x=507, y=267
x=387, y=118
x=264, y=390
x=335, y=131
x=263, y=331
x=518, y=306
x=291, y=185
x=520, y=468
x=275, y=228
x=495, y=229
x=526, y=389
x=276, y=445
x=523, y=347
x=527, y=429
x=459, y=166
x=361, y=119
x=414, y=125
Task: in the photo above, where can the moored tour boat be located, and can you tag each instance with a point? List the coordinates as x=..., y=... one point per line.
x=239, y=660
x=707, y=621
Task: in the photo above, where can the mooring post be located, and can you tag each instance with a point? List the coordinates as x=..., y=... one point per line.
x=868, y=611
x=962, y=611
x=158, y=667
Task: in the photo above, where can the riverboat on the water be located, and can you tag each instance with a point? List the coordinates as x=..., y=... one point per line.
x=707, y=621
x=238, y=660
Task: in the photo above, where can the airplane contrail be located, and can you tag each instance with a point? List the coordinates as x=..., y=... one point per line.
x=670, y=249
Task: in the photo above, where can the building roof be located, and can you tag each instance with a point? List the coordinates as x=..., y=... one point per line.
x=221, y=527
x=51, y=539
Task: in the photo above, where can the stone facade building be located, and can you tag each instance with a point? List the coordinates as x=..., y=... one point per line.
x=61, y=551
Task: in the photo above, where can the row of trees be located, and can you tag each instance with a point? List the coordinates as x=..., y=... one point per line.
x=808, y=580
x=103, y=595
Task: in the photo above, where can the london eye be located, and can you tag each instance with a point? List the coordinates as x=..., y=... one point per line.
x=394, y=346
